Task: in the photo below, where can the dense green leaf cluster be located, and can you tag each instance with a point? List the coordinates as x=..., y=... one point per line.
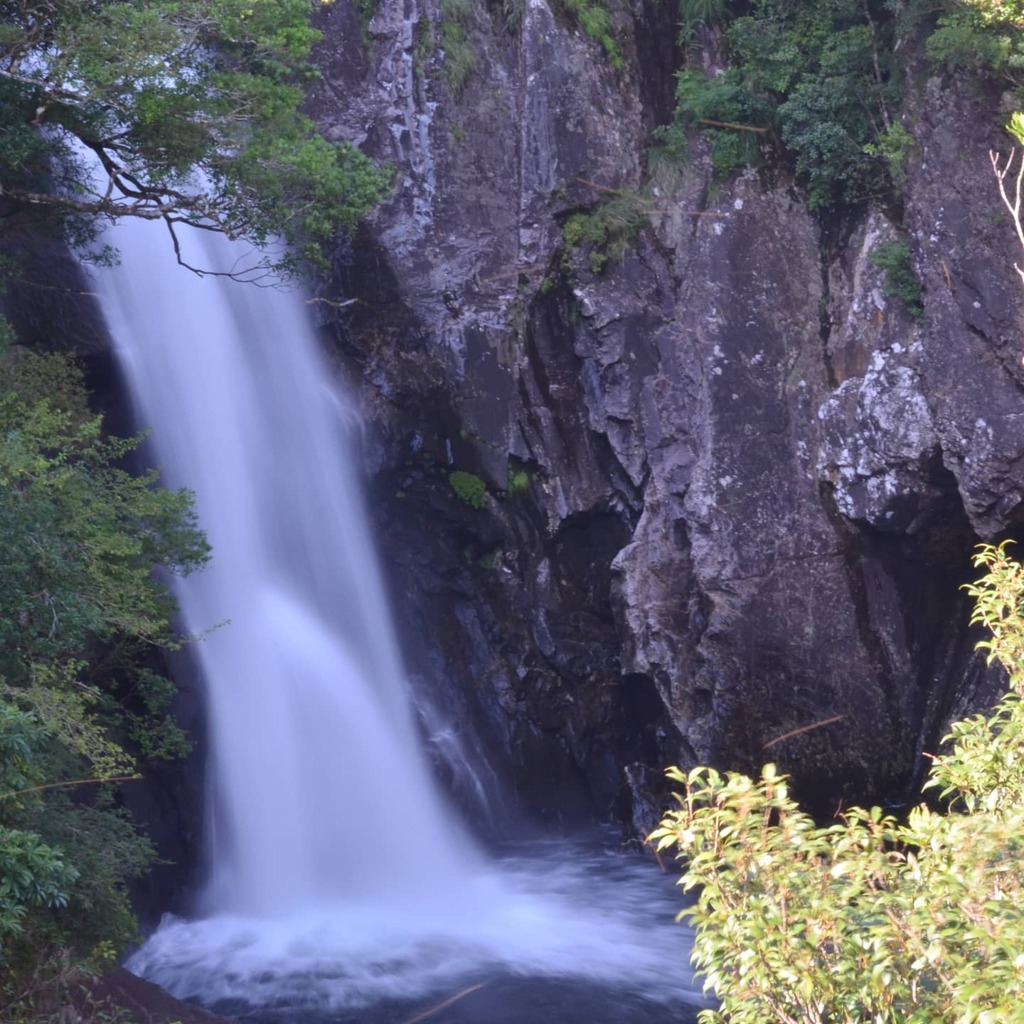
x=594, y=18
x=609, y=229
x=979, y=35
x=821, y=79
x=81, y=612
x=900, y=280
x=468, y=487
x=188, y=111
x=820, y=84
x=870, y=919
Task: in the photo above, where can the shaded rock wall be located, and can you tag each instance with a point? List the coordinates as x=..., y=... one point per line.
x=731, y=487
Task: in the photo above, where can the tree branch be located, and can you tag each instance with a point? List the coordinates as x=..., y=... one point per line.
x=1014, y=206
x=257, y=274
x=59, y=93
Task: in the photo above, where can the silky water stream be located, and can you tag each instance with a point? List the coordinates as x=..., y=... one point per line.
x=342, y=886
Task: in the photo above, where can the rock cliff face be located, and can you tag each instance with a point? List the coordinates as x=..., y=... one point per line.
x=731, y=488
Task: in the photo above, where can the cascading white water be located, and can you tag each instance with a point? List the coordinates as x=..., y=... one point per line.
x=339, y=875
x=310, y=724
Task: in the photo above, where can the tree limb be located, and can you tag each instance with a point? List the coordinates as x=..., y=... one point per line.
x=1001, y=171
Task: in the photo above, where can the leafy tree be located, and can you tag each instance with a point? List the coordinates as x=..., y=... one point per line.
x=819, y=81
x=81, y=613
x=869, y=918
x=979, y=34
x=819, y=85
x=181, y=110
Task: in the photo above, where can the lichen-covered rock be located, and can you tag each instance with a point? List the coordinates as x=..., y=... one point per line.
x=880, y=450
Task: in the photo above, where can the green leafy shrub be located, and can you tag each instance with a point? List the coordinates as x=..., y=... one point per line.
x=734, y=119
x=695, y=14
x=868, y=918
x=469, y=488
x=900, y=280
x=821, y=79
x=518, y=480
x=893, y=146
x=459, y=58
x=977, y=34
x=595, y=20
x=609, y=229
x=81, y=613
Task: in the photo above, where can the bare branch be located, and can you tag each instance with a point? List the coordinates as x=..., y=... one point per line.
x=56, y=93
x=802, y=729
x=335, y=303
x=150, y=210
x=260, y=273
x=731, y=124
x=1001, y=171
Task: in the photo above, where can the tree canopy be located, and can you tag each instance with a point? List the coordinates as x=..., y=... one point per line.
x=180, y=110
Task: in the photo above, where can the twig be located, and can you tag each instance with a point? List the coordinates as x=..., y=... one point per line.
x=660, y=209
x=1014, y=206
x=731, y=124
x=949, y=277
x=659, y=859
x=73, y=782
x=443, y=1006
x=603, y=188
x=803, y=729
x=334, y=303
x=254, y=274
x=23, y=283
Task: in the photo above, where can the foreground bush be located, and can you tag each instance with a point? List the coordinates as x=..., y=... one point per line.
x=83, y=620
x=870, y=919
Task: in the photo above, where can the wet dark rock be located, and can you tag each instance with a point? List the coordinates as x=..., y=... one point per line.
x=119, y=995
x=746, y=481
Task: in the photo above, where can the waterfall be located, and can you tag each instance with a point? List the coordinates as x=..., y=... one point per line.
x=312, y=738
x=340, y=877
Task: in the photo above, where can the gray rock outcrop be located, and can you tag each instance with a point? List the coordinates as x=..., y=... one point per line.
x=731, y=487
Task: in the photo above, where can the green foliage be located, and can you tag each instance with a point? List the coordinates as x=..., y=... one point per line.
x=469, y=488
x=870, y=919
x=366, y=9
x=80, y=613
x=518, y=480
x=980, y=35
x=821, y=79
x=512, y=12
x=7, y=336
x=88, y=574
x=695, y=14
x=459, y=58
x=159, y=90
x=894, y=146
x=900, y=280
x=609, y=229
x=824, y=81
x=489, y=559
x=1015, y=126
x=32, y=875
x=595, y=20
x=712, y=105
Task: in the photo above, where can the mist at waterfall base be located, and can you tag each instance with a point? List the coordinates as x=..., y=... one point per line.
x=342, y=887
